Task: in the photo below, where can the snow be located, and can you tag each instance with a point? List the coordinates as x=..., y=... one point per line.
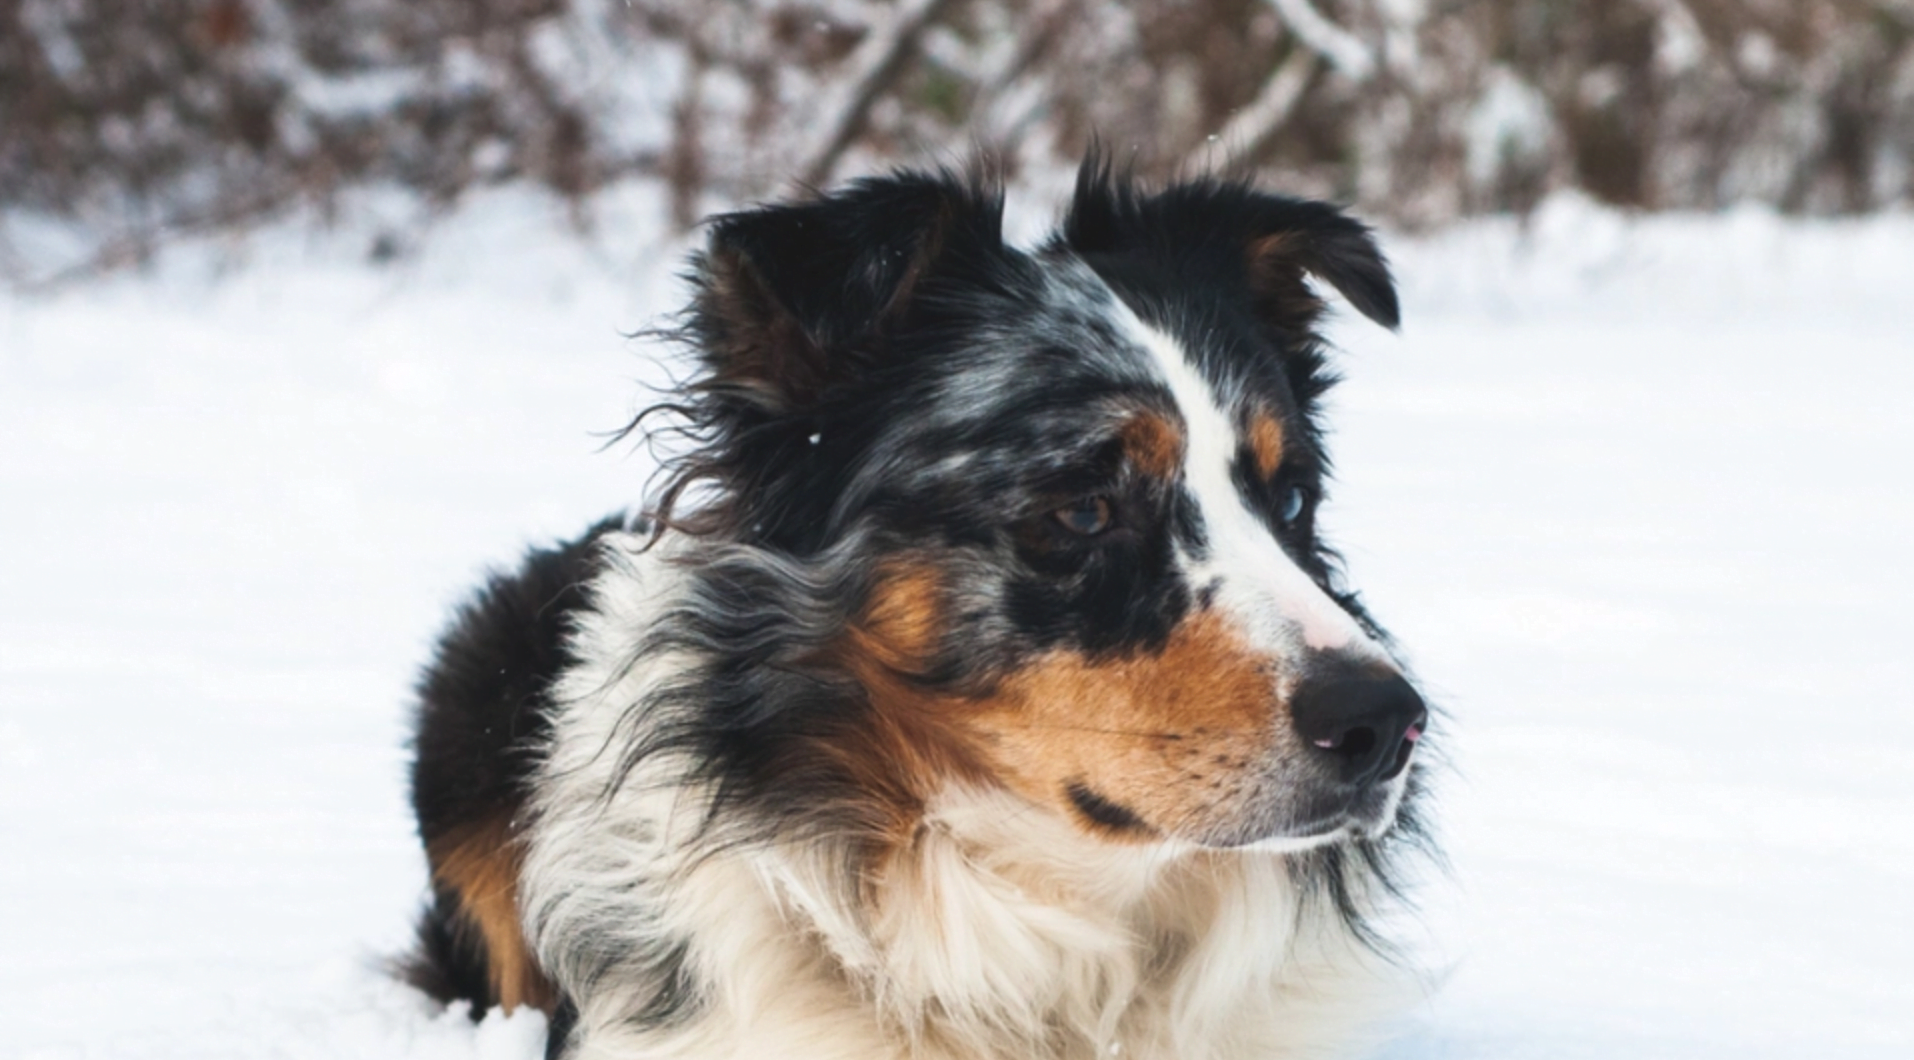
x=1631, y=492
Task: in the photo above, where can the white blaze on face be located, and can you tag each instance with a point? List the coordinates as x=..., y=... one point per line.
x=1276, y=602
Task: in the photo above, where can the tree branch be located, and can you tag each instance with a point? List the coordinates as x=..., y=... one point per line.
x=1341, y=49
x=1006, y=98
x=1255, y=125
x=873, y=67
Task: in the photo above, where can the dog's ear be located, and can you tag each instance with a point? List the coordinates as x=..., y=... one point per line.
x=791, y=298
x=1228, y=233
x=1296, y=236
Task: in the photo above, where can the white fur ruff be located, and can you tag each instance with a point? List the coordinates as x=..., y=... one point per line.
x=998, y=932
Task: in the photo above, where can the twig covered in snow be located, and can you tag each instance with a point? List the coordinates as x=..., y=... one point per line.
x=1338, y=47
x=1250, y=128
x=1012, y=96
x=872, y=68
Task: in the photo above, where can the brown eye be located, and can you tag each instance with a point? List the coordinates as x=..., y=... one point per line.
x=1088, y=517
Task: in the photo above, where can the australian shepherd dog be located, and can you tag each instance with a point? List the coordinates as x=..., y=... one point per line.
x=975, y=685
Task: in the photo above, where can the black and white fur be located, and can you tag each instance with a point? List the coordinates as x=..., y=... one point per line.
x=977, y=688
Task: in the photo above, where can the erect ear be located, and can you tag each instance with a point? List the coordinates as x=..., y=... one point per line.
x=1225, y=232
x=793, y=297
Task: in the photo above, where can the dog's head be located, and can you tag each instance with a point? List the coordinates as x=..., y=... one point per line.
x=1054, y=509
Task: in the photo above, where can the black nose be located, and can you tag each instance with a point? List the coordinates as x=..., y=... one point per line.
x=1362, y=721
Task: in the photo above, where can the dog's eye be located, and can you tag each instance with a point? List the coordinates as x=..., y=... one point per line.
x=1088, y=517
x=1294, y=501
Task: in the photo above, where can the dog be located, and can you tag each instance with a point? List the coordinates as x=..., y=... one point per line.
x=976, y=684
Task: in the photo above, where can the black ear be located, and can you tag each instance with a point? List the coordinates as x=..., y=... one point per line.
x=1297, y=236
x=792, y=297
x=1229, y=233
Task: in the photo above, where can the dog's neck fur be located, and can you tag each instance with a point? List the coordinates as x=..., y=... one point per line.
x=996, y=930
x=1001, y=930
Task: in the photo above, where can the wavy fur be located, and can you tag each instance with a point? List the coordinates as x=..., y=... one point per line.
x=980, y=687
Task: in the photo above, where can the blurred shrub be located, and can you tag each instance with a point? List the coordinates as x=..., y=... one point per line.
x=134, y=119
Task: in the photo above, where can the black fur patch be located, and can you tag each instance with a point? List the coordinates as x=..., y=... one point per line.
x=1111, y=815
x=483, y=712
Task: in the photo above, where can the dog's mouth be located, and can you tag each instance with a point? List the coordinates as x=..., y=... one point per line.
x=1327, y=818
x=1376, y=812
x=1279, y=818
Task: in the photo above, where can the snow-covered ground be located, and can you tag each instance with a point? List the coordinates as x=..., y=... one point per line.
x=1634, y=494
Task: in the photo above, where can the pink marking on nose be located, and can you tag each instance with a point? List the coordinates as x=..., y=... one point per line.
x=1414, y=734
x=1327, y=745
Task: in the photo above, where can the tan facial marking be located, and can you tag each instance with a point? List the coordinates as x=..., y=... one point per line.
x=480, y=862
x=1174, y=736
x=1266, y=444
x=909, y=750
x=1152, y=443
x=1180, y=738
x=903, y=618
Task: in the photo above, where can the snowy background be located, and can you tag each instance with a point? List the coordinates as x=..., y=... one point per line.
x=1632, y=487
x=1633, y=492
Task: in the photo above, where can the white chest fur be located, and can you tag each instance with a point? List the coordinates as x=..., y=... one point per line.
x=998, y=930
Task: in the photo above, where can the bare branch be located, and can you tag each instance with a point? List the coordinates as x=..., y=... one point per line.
x=1042, y=26
x=1010, y=97
x=872, y=68
x=1252, y=127
x=1341, y=49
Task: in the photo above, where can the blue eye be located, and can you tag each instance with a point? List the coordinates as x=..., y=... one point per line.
x=1294, y=501
x=1088, y=517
